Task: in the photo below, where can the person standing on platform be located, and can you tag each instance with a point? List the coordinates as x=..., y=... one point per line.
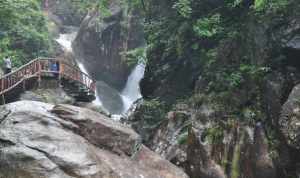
x=7, y=65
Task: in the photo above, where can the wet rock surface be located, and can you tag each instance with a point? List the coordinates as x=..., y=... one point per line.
x=39, y=140
x=53, y=96
x=100, y=45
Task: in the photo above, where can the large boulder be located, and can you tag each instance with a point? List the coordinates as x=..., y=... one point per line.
x=99, y=131
x=100, y=44
x=39, y=140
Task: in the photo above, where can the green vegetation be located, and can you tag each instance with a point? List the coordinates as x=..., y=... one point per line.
x=183, y=138
x=183, y=7
x=236, y=161
x=23, y=31
x=213, y=45
x=208, y=26
x=214, y=135
x=83, y=6
x=270, y=5
x=229, y=46
x=153, y=112
x=136, y=55
x=23, y=28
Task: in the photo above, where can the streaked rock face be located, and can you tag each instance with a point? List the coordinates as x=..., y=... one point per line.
x=39, y=140
x=289, y=121
x=101, y=44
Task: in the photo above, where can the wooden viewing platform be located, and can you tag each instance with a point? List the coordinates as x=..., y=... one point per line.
x=79, y=85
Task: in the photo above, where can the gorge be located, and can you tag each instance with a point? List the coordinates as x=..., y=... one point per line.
x=184, y=89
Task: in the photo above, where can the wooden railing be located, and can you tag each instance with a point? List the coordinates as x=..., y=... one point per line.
x=41, y=66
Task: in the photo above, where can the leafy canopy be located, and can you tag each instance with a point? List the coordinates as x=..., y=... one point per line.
x=23, y=30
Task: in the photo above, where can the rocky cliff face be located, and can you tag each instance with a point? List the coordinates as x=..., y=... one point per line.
x=63, y=12
x=102, y=41
x=39, y=140
x=215, y=119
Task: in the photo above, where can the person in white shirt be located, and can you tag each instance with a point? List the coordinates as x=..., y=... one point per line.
x=7, y=65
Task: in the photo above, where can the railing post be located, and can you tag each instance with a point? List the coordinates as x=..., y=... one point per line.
x=39, y=73
x=2, y=85
x=3, y=99
x=24, y=85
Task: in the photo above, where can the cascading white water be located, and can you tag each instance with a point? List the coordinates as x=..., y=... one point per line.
x=131, y=92
x=97, y=101
x=65, y=40
x=82, y=68
x=112, y=99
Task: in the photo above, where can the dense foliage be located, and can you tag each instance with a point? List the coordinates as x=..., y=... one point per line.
x=83, y=6
x=220, y=58
x=23, y=30
x=208, y=35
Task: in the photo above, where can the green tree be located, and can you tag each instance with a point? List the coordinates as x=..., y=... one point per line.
x=23, y=30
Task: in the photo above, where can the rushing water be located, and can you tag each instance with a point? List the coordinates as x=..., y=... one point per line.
x=131, y=92
x=97, y=101
x=107, y=97
x=65, y=40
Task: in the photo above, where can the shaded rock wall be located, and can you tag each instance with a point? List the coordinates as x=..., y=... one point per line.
x=63, y=12
x=102, y=40
x=246, y=131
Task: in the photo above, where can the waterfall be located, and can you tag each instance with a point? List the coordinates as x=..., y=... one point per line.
x=65, y=40
x=108, y=98
x=97, y=101
x=131, y=92
x=82, y=68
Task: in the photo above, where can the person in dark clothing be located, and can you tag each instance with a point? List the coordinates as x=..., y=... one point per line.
x=55, y=68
